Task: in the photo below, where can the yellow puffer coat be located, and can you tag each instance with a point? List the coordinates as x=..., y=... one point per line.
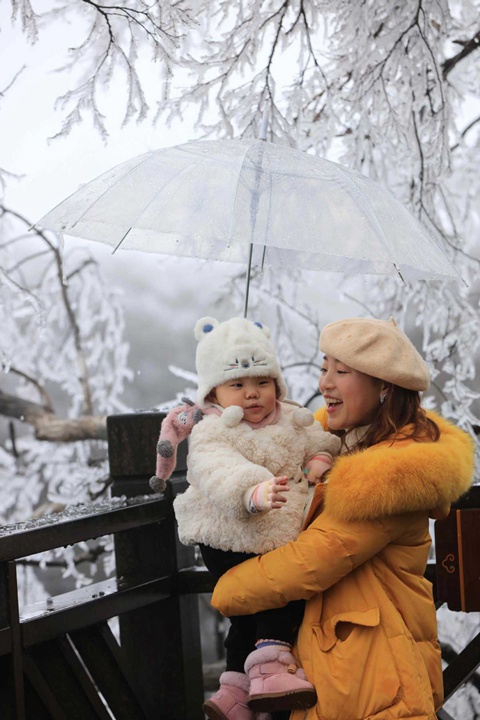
x=368, y=640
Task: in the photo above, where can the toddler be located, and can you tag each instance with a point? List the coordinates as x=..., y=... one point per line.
x=251, y=461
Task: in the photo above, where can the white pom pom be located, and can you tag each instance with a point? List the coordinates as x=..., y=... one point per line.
x=303, y=417
x=232, y=415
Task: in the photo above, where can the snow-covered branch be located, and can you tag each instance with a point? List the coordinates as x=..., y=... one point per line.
x=468, y=46
x=118, y=37
x=49, y=427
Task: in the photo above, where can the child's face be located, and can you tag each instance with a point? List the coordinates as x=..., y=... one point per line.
x=256, y=395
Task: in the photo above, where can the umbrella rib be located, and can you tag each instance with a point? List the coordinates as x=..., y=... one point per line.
x=146, y=157
x=184, y=170
x=379, y=227
x=400, y=274
x=236, y=191
x=249, y=268
x=372, y=216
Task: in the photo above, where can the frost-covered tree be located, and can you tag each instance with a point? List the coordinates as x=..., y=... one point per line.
x=62, y=333
x=117, y=41
x=64, y=358
x=388, y=88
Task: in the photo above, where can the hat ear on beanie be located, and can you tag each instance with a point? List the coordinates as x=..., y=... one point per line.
x=204, y=326
x=263, y=328
x=207, y=324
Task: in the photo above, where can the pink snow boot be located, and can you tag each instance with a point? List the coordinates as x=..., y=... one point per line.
x=276, y=682
x=230, y=701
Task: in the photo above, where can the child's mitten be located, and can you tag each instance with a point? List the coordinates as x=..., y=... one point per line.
x=176, y=426
x=267, y=495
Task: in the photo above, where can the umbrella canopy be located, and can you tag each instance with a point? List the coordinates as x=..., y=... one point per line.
x=244, y=200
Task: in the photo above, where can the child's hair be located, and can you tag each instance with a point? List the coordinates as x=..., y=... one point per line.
x=400, y=410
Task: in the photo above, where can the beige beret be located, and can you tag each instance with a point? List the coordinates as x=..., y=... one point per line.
x=377, y=348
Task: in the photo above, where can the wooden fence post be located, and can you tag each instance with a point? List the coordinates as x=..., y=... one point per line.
x=7, y=677
x=161, y=642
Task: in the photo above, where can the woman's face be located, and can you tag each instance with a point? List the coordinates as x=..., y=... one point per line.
x=352, y=398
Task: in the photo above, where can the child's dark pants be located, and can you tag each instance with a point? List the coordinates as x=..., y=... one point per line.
x=277, y=624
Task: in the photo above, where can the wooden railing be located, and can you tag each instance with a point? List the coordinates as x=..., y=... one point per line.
x=457, y=582
x=60, y=659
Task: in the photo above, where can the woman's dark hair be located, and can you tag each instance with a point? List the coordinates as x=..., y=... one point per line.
x=401, y=416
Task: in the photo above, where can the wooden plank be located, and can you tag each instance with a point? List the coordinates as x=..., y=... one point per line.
x=133, y=438
x=47, y=533
x=442, y=714
x=4, y=619
x=17, y=653
x=5, y=641
x=67, y=681
x=464, y=665
x=85, y=610
x=468, y=528
x=471, y=499
x=7, y=696
x=447, y=564
x=43, y=693
x=193, y=691
x=165, y=641
x=132, y=452
x=103, y=658
x=159, y=669
x=195, y=580
x=83, y=677
x=457, y=546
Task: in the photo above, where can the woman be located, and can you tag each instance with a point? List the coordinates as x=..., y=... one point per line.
x=368, y=640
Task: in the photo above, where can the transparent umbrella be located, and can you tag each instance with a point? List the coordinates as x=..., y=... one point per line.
x=252, y=202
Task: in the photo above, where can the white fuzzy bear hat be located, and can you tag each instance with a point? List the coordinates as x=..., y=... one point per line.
x=233, y=349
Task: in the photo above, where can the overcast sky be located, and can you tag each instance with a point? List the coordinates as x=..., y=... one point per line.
x=162, y=296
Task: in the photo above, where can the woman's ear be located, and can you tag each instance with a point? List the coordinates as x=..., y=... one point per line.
x=384, y=390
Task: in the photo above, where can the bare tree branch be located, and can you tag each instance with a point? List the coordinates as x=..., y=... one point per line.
x=468, y=46
x=47, y=403
x=48, y=426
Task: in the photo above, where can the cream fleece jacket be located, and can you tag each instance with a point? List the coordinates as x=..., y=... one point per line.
x=223, y=462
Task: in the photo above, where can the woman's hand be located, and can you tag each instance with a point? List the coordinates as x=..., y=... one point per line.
x=316, y=467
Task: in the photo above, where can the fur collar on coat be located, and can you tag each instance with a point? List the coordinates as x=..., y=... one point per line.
x=406, y=476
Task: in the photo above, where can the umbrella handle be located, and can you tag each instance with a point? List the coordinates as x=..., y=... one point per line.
x=262, y=135
x=247, y=289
